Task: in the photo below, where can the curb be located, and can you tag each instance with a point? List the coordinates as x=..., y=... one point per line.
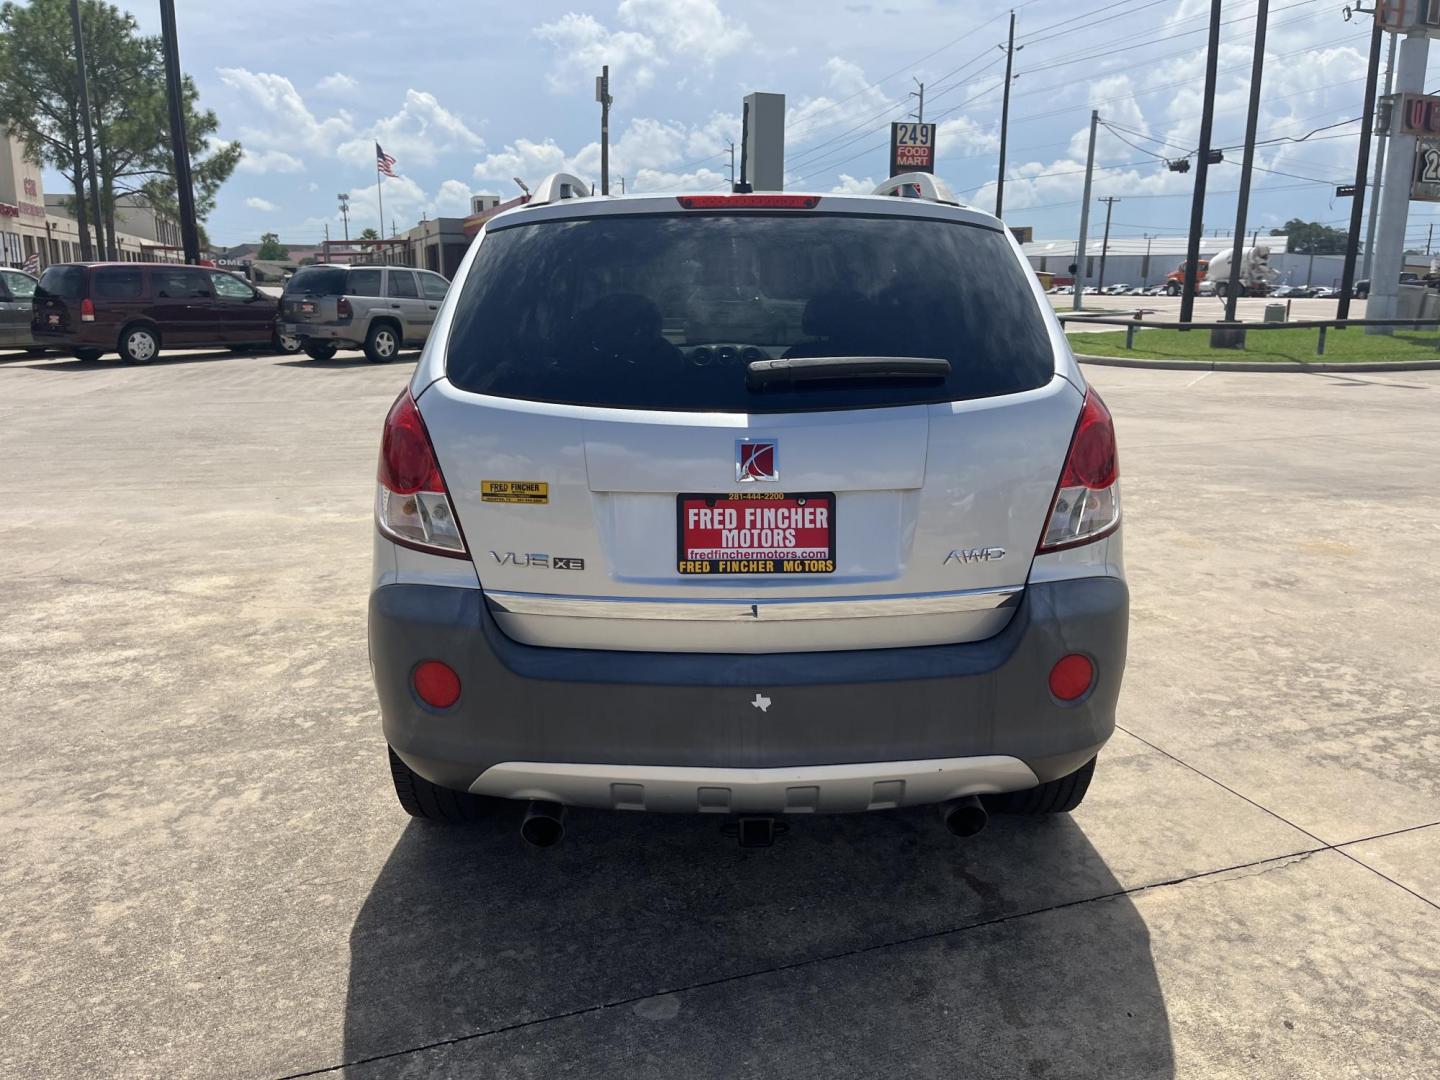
x=1296, y=367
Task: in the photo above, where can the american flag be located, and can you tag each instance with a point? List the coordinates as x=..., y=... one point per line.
x=383, y=161
x=32, y=263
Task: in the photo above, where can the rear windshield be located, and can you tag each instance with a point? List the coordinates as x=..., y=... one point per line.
x=67, y=282
x=317, y=280
x=667, y=311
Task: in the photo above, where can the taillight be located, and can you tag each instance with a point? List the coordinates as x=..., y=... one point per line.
x=87, y=310
x=1087, y=501
x=412, y=506
x=342, y=308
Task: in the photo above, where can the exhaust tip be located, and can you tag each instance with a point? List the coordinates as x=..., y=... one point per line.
x=965, y=817
x=543, y=825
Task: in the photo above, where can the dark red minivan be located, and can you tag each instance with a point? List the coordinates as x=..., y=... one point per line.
x=136, y=309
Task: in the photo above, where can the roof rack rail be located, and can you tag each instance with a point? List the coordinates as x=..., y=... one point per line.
x=918, y=185
x=557, y=186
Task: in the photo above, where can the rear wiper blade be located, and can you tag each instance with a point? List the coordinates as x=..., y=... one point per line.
x=759, y=373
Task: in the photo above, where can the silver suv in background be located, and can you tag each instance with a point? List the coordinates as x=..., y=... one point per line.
x=376, y=308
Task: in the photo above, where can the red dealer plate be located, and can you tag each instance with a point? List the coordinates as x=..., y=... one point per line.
x=763, y=532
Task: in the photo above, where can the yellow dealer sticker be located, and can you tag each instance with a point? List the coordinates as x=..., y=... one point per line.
x=536, y=492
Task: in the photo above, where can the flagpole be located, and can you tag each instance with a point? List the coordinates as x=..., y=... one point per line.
x=379, y=194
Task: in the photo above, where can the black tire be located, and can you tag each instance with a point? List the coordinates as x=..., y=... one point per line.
x=1056, y=797
x=139, y=344
x=88, y=355
x=422, y=799
x=1172, y=289
x=320, y=350
x=382, y=343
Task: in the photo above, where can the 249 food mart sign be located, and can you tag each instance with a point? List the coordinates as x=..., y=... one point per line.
x=912, y=148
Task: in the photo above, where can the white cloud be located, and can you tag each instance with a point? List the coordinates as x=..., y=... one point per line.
x=268, y=161
x=660, y=32
x=254, y=202
x=406, y=201
x=286, y=122
x=313, y=186
x=338, y=85
x=418, y=134
x=849, y=185
x=528, y=160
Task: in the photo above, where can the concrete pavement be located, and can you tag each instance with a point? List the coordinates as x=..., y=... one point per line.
x=206, y=873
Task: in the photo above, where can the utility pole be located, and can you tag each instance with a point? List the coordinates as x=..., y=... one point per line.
x=1109, y=201
x=345, y=213
x=1380, y=152
x=732, y=166
x=602, y=95
x=1202, y=168
x=1005, y=120
x=622, y=185
x=920, y=109
x=1362, y=163
x=1145, y=270
x=1429, y=237
x=1394, y=206
x=83, y=78
x=1257, y=67
x=1080, y=245
x=179, y=146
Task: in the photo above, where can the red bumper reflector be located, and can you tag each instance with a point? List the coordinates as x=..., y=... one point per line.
x=1072, y=677
x=437, y=684
x=758, y=202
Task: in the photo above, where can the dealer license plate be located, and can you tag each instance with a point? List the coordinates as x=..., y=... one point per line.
x=765, y=532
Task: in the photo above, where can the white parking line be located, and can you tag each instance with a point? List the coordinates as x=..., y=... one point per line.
x=1197, y=378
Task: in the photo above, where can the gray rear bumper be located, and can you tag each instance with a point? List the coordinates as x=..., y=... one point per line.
x=526, y=704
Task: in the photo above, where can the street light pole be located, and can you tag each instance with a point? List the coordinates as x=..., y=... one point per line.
x=602, y=95
x=1005, y=119
x=1077, y=300
x=1357, y=202
x=1202, y=169
x=1257, y=66
x=179, y=146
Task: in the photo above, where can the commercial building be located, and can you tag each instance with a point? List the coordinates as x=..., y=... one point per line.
x=33, y=223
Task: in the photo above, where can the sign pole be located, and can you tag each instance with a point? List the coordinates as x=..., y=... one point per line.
x=1362, y=163
x=1394, y=205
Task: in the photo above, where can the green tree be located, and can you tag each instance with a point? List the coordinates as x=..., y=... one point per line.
x=271, y=249
x=1312, y=238
x=39, y=102
x=369, y=234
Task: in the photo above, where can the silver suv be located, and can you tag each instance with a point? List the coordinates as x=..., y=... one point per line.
x=751, y=505
x=375, y=308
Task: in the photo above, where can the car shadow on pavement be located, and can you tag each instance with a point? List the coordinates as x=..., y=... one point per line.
x=648, y=945
x=353, y=360
x=59, y=362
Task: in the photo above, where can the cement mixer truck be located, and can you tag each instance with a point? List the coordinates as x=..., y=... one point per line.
x=1256, y=276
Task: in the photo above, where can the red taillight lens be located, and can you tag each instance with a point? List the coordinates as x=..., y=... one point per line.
x=758, y=202
x=87, y=310
x=407, y=462
x=342, y=308
x=1086, y=505
x=1071, y=677
x=437, y=684
x=412, y=506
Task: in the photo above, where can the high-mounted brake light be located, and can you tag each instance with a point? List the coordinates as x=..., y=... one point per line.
x=87, y=310
x=1086, y=505
x=411, y=505
x=754, y=202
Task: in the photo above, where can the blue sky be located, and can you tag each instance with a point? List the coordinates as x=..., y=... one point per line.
x=467, y=95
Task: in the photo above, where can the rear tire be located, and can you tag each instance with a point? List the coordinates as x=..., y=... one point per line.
x=422, y=799
x=320, y=350
x=283, y=343
x=1056, y=797
x=382, y=343
x=88, y=355
x=139, y=344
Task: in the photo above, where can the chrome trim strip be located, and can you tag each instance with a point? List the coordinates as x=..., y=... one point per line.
x=800, y=789
x=751, y=610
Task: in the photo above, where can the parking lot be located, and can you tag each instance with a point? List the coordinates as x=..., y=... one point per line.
x=206, y=873
x=1206, y=308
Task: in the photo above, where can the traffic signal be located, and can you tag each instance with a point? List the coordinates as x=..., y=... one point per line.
x=1182, y=165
